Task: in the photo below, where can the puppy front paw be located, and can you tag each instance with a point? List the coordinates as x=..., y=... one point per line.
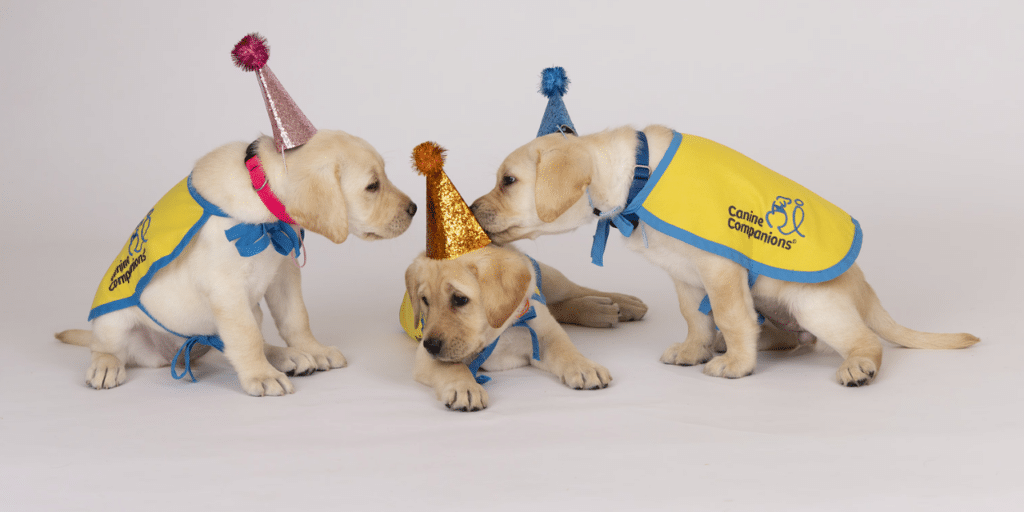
x=856, y=371
x=327, y=358
x=301, y=362
x=465, y=396
x=687, y=354
x=728, y=366
x=269, y=382
x=105, y=372
x=585, y=374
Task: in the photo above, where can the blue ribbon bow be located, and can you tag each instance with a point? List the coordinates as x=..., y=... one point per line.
x=186, y=350
x=626, y=219
x=253, y=239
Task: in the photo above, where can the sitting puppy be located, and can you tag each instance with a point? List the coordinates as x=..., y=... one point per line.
x=559, y=182
x=468, y=304
x=207, y=289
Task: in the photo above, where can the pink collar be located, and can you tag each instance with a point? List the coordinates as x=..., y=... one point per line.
x=261, y=185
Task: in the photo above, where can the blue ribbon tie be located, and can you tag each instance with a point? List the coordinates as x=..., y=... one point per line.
x=626, y=219
x=186, y=351
x=520, y=322
x=253, y=239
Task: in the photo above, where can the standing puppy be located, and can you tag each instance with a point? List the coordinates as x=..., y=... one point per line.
x=756, y=250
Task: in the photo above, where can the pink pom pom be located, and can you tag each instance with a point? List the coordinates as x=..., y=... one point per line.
x=251, y=53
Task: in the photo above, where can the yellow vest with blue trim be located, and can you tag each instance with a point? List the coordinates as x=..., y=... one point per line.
x=721, y=201
x=157, y=240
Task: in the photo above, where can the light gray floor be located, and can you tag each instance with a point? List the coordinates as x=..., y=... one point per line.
x=908, y=117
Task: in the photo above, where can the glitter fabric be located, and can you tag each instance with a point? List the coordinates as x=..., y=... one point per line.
x=290, y=125
x=452, y=229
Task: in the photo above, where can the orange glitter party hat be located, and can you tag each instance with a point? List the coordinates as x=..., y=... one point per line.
x=452, y=229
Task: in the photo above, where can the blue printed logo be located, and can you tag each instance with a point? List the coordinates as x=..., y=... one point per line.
x=788, y=214
x=138, y=239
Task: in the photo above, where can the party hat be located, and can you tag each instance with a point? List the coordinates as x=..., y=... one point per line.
x=553, y=84
x=452, y=229
x=291, y=127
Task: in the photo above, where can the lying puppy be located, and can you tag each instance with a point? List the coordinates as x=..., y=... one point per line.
x=466, y=303
x=557, y=183
x=210, y=293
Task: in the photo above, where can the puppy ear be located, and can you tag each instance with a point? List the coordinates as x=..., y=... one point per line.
x=563, y=174
x=412, y=286
x=503, y=282
x=318, y=205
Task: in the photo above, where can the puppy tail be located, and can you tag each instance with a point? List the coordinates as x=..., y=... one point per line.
x=79, y=337
x=883, y=325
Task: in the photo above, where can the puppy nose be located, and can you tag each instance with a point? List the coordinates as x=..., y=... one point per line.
x=433, y=345
x=411, y=209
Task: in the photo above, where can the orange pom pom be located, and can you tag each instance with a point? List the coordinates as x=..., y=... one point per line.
x=428, y=158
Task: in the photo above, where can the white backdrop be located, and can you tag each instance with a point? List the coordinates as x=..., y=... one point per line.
x=906, y=114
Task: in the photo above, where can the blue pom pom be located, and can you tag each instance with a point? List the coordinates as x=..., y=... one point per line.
x=554, y=81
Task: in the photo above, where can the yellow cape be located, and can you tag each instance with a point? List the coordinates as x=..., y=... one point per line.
x=157, y=240
x=718, y=200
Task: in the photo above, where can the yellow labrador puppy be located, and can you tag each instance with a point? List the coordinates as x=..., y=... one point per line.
x=557, y=183
x=334, y=185
x=467, y=302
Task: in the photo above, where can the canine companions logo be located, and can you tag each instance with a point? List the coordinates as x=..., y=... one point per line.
x=790, y=219
x=136, y=254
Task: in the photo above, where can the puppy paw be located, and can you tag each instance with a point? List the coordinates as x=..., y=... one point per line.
x=856, y=371
x=464, y=396
x=631, y=308
x=729, y=367
x=327, y=358
x=291, y=361
x=686, y=354
x=268, y=383
x=106, y=371
x=297, y=362
x=585, y=374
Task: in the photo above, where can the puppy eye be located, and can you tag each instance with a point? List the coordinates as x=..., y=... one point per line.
x=459, y=301
x=508, y=180
x=425, y=303
x=372, y=187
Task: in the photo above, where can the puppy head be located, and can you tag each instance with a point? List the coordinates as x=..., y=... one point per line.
x=540, y=190
x=468, y=301
x=336, y=185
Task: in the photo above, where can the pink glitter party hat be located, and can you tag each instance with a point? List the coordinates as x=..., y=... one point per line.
x=291, y=127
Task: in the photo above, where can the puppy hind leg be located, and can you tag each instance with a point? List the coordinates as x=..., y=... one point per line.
x=571, y=303
x=841, y=327
x=109, y=344
x=700, y=330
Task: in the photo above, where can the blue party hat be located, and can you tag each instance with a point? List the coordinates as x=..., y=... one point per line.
x=553, y=84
